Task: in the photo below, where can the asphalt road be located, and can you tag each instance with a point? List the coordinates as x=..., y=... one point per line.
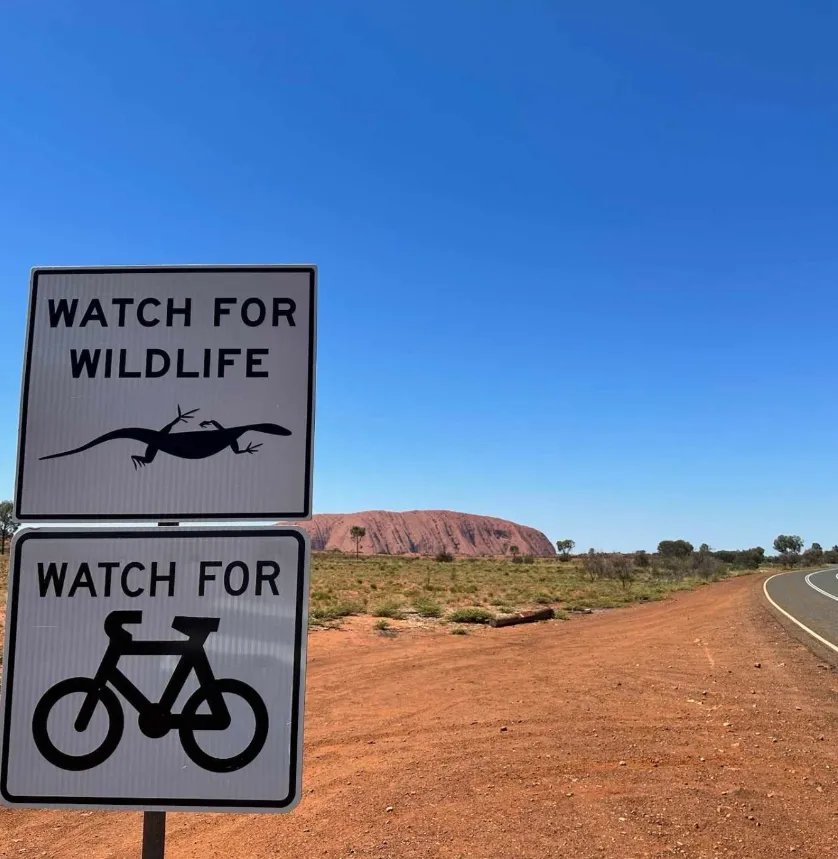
x=809, y=600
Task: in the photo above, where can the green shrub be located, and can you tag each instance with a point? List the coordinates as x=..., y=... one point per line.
x=459, y=630
x=444, y=557
x=543, y=599
x=427, y=607
x=381, y=625
x=333, y=611
x=390, y=609
x=472, y=614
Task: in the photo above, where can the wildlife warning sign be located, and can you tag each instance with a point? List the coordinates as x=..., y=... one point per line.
x=155, y=670
x=168, y=393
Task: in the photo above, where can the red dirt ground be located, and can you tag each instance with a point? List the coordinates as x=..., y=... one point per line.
x=643, y=732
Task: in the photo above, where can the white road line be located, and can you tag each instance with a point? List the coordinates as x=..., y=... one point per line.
x=815, y=587
x=793, y=619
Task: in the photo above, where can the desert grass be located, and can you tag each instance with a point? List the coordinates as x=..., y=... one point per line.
x=405, y=587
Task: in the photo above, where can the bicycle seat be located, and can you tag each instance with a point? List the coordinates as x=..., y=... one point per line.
x=196, y=625
x=117, y=619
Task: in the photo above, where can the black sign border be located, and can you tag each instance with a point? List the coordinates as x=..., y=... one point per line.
x=22, y=516
x=294, y=763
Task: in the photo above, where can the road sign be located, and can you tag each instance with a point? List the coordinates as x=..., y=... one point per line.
x=155, y=669
x=168, y=393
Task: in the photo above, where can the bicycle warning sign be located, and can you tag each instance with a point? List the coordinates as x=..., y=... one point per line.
x=155, y=669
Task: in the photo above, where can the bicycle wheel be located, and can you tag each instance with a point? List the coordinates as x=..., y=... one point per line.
x=40, y=732
x=243, y=758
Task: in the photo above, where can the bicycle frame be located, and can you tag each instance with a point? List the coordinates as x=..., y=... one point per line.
x=192, y=658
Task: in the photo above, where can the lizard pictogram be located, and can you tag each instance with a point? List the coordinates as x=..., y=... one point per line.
x=193, y=444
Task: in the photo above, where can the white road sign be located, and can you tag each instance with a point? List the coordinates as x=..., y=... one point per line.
x=155, y=669
x=168, y=393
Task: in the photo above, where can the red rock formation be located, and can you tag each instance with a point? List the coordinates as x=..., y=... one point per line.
x=425, y=532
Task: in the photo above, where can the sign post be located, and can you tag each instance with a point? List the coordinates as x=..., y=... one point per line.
x=146, y=668
x=154, y=835
x=154, y=822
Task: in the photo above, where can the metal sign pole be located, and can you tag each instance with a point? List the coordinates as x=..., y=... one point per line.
x=154, y=822
x=154, y=834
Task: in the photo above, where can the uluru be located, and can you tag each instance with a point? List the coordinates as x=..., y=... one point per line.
x=425, y=532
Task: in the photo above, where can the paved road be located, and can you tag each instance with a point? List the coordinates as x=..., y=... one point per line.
x=810, y=600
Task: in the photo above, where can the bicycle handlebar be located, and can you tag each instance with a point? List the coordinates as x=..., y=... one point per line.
x=117, y=619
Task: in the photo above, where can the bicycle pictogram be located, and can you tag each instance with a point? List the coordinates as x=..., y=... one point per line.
x=155, y=719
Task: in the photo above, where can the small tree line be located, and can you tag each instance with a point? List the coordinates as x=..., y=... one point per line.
x=674, y=563
x=789, y=548
x=8, y=525
x=673, y=557
x=678, y=558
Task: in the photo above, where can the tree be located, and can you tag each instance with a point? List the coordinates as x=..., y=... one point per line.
x=641, y=558
x=622, y=569
x=675, y=548
x=813, y=556
x=565, y=547
x=704, y=549
x=514, y=551
x=746, y=559
x=7, y=524
x=357, y=533
x=787, y=545
x=752, y=558
x=596, y=565
x=706, y=565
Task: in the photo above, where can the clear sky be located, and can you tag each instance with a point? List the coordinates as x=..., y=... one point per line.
x=578, y=261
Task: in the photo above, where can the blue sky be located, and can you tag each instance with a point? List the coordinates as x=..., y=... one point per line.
x=577, y=261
